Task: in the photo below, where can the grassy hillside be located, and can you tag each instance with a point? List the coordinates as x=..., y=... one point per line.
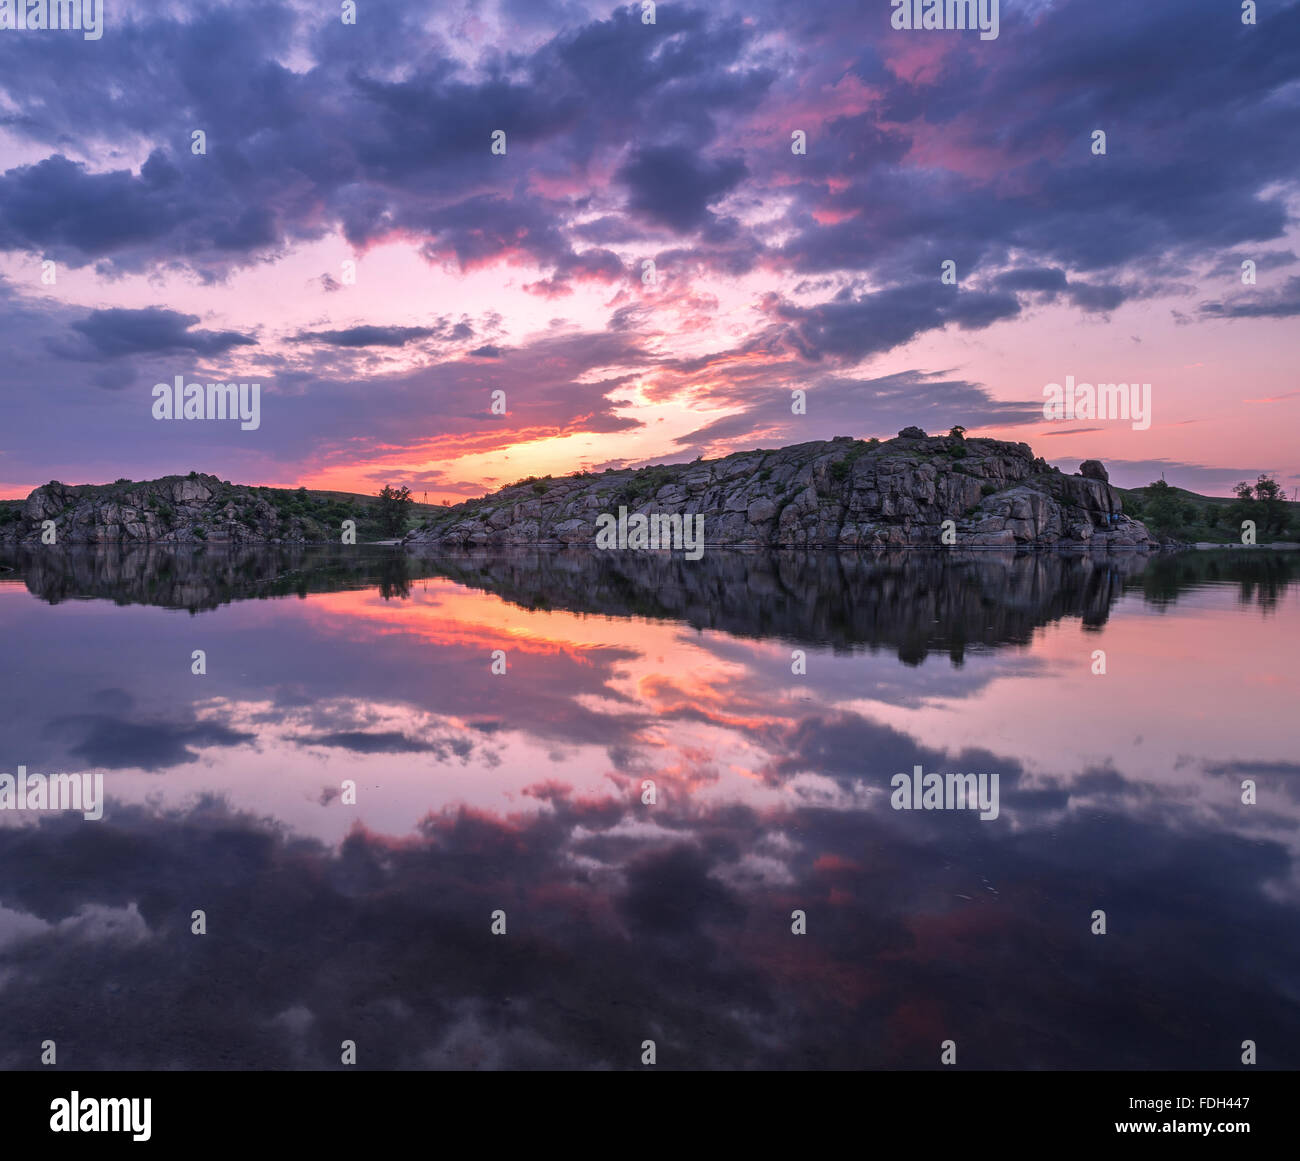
x=332, y=507
x=1191, y=517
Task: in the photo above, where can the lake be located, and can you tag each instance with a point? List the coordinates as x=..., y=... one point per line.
x=536, y=809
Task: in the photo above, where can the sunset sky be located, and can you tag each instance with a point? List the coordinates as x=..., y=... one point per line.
x=627, y=142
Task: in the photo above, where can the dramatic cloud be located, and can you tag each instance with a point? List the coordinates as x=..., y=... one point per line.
x=1284, y=303
x=116, y=333
x=850, y=328
x=369, y=336
x=625, y=143
x=674, y=188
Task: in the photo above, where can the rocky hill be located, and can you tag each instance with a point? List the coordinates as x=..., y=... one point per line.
x=193, y=509
x=837, y=493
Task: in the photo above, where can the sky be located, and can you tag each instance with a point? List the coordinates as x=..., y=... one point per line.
x=347, y=237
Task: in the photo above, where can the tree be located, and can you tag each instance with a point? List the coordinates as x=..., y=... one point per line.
x=958, y=432
x=394, y=504
x=1271, y=498
x=1163, y=510
x=1244, y=506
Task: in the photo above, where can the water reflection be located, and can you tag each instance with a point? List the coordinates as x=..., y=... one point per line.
x=628, y=921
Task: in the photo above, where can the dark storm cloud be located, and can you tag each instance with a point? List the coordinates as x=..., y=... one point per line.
x=1283, y=303
x=1051, y=282
x=117, y=333
x=62, y=210
x=367, y=336
x=294, y=153
x=1096, y=298
x=1047, y=279
x=484, y=227
x=673, y=187
x=850, y=328
x=685, y=79
x=1229, y=265
x=387, y=742
x=59, y=207
x=291, y=155
x=1149, y=199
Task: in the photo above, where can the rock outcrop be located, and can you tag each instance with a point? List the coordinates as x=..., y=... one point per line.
x=842, y=493
x=193, y=509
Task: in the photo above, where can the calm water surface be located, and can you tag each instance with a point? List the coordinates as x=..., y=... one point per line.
x=626, y=921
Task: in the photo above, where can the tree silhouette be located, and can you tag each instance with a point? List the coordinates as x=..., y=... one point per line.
x=394, y=504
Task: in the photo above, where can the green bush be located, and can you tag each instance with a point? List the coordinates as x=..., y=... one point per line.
x=1165, y=511
x=647, y=482
x=841, y=468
